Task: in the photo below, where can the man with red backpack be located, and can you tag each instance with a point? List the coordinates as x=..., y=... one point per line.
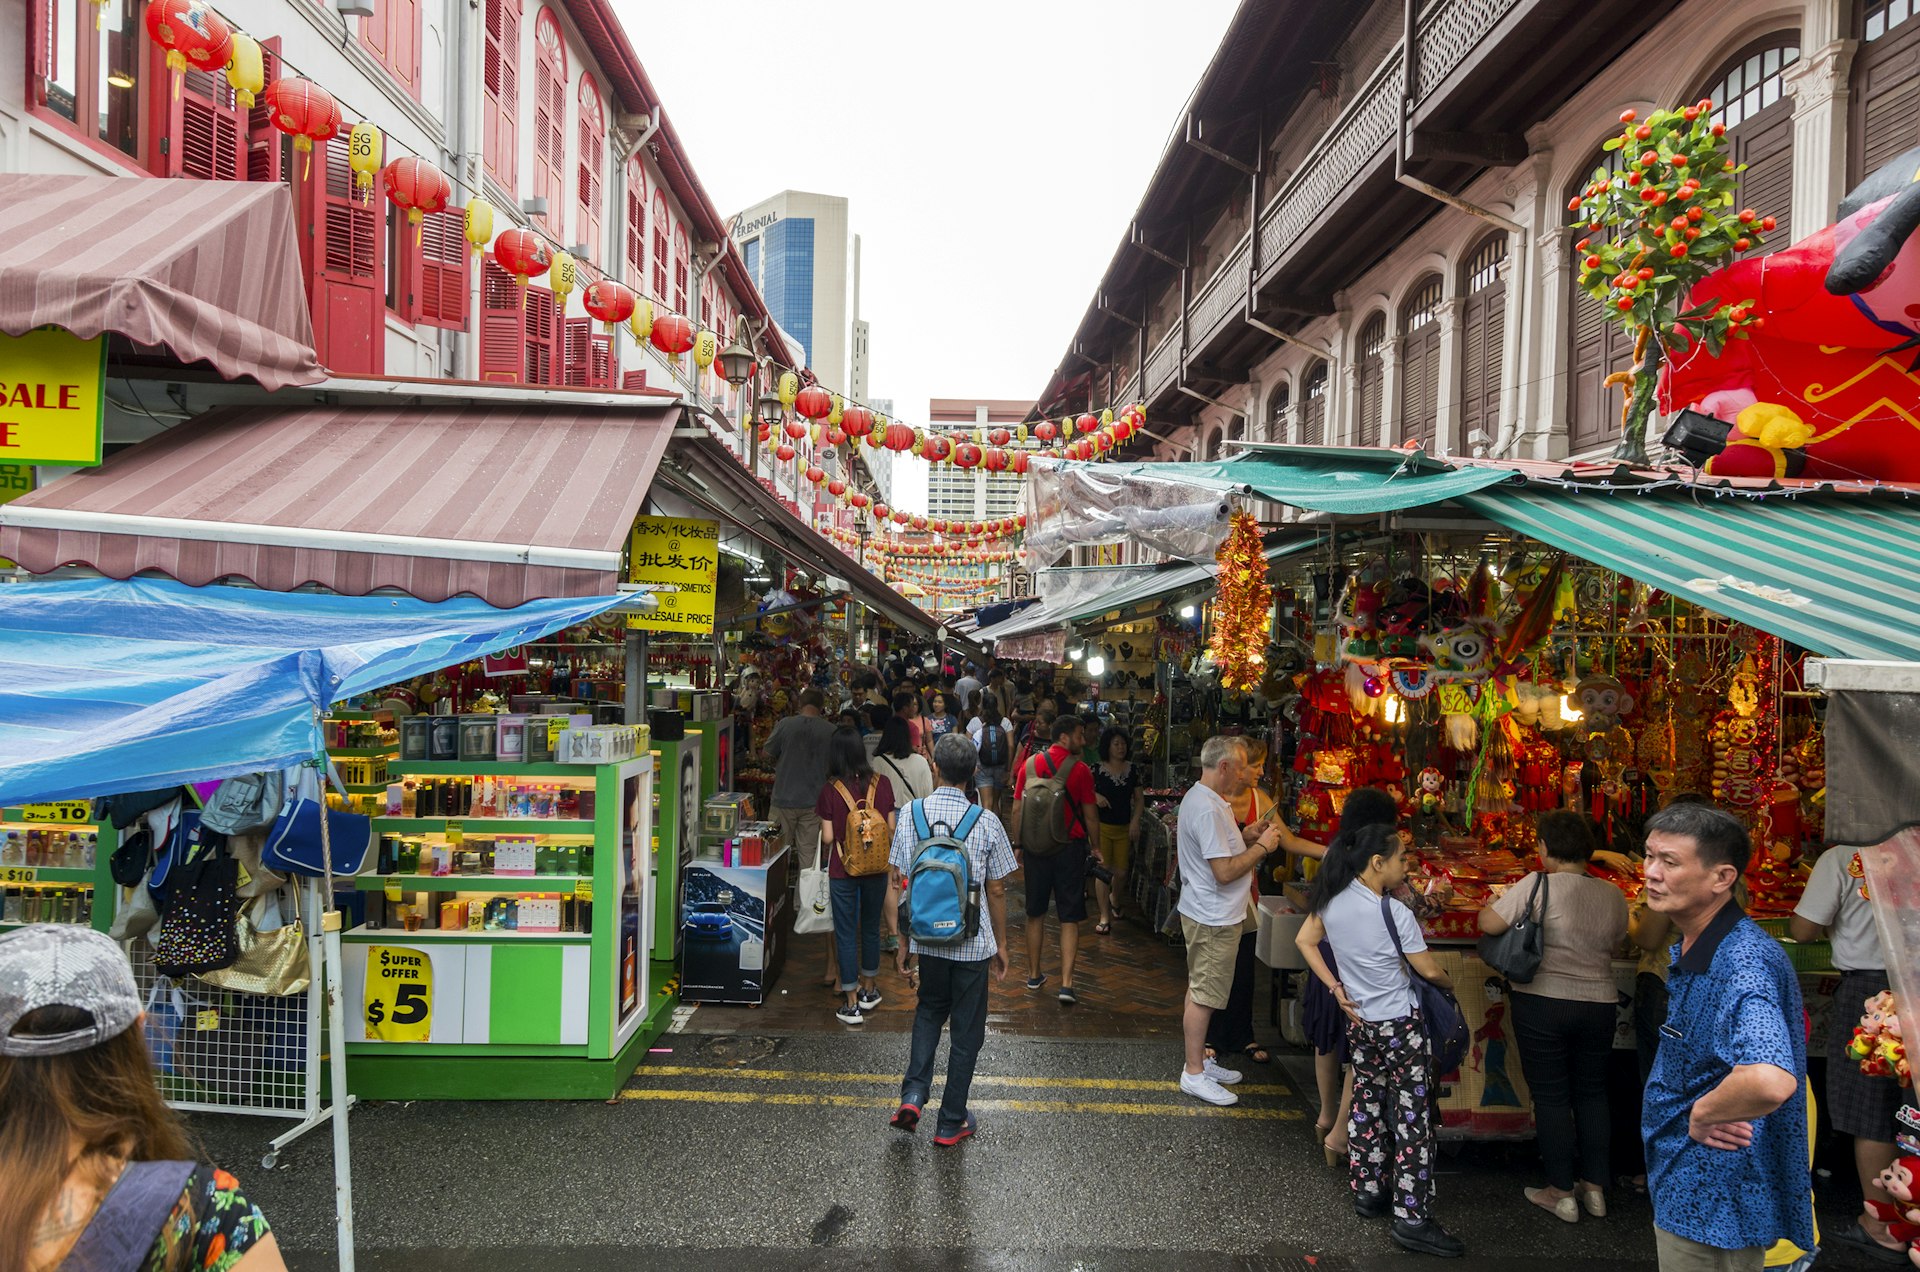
x=1053, y=815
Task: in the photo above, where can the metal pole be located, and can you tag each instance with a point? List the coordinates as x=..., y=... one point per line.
x=337, y=1067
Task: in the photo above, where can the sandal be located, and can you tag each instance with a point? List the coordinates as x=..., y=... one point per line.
x=1259, y=1054
x=1103, y=929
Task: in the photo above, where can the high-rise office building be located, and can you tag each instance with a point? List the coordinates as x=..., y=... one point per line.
x=880, y=462
x=806, y=261
x=972, y=494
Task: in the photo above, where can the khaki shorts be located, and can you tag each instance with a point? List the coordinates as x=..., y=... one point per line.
x=1211, y=953
x=800, y=830
x=1678, y=1254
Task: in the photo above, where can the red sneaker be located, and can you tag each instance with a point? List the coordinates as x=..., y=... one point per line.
x=906, y=1118
x=965, y=1132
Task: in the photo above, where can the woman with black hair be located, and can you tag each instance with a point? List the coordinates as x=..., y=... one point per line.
x=851, y=789
x=1119, y=790
x=907, y=771
x=1391, y=1135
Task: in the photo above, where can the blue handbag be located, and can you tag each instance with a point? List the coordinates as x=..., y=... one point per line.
x=293, y=841
x=1440, y=1016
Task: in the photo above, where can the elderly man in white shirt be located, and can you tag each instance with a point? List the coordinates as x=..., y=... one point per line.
x=1217, y=864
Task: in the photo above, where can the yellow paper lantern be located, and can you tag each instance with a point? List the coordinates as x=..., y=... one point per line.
x=1066, y=426
x=364, y=145
x=788, y=389
x=561, y=275
x=706, y=347
x=247, y=72
x=839, y=404
x=479, y=224
x=640, y=321
x=1106, y=417
x=1020, y=434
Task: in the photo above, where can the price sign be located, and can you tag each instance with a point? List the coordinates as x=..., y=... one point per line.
x=583, y=890
x=18, y=874
x=392, y=888
x=207, y=1021
x=456, y=834
x=70, y=812
x=398, y=1002
x=682, y=555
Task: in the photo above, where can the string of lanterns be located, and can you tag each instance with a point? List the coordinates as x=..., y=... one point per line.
x=828, y=417
x=970, y=553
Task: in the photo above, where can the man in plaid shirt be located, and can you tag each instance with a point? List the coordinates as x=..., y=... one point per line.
x=953, y=978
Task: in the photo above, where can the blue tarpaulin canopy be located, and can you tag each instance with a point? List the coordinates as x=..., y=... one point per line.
x=109, y=686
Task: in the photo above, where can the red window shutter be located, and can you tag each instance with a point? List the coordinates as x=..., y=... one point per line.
x=403, y=54
x=542, y=338
x=633, y=379
x=263, y=139
x=503, y=326
x=659, y=247
x=682, y=264
x=205, y=133
x=636, y=224
x=443, y=264
x=349, y=268
x=549, y=122
x=501, y=71
x=579, y=337
x=602, y=361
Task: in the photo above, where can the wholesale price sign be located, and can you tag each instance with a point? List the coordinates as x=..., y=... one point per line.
x=52, y=398
x=398, y=1003
x=682, y=555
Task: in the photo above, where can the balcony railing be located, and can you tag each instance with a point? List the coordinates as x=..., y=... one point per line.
x=1163, y=364
x=1449, y=30
x=1223, y=295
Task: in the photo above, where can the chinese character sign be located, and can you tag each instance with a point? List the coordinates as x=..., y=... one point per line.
x=52, y=387
x=681, y=555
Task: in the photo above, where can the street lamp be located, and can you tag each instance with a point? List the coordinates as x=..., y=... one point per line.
x=736, y=360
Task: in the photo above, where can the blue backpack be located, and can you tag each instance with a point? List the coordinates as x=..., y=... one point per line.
x=944, y=896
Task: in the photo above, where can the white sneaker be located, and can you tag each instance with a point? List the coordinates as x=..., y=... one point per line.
x=1202, y=1087
x=1212, y=1068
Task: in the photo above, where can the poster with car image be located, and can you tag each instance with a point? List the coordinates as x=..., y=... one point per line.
x=733, y=931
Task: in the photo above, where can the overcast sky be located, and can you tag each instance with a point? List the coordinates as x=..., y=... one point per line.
x=991, y=154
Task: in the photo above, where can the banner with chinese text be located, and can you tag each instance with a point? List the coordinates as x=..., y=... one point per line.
x=682, y=556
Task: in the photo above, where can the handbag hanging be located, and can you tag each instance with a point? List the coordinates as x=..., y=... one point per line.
x=293, y=841
x=197, y=933
x=1440, y=1016
x=1516, y=952
x=272, y=964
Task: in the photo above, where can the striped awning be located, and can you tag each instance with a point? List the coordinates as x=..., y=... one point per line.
x=508, y=502
x=207, y=269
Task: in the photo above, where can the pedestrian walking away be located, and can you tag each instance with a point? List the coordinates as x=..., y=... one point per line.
x=1391, y=1132
x=1724, y=1117
x=856, y=808
x=953, y=973
x=1053, y=817
x=798, y=749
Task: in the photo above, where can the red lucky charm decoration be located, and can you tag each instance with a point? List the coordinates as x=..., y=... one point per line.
x=608, y=301
x=816, y=474
x=417, y=186
x=856, y=420
x=1045, y=430
x=836, y=488
x=966, y=454
x=673, y=336
x=521, y=253
x=1242, y=614
x=785, y=452
x=192, y=34
x=814, y=402
x=304, y=111
x=898, y=437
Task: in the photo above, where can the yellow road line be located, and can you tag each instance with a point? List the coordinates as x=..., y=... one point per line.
x=979, y=1079
x=831, y=1100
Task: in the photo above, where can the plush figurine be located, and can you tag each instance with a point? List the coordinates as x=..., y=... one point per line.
x=1462, y=652
x=1899, y=1181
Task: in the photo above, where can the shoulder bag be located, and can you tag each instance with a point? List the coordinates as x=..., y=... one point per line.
x=1516, y=952
x=1440, y=1016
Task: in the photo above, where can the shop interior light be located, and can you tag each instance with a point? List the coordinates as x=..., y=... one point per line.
x=1096, y=666
x=1396, y=710
x=1188, y=611
x=1568, y=711
x=1076, y=653
x=119, y=79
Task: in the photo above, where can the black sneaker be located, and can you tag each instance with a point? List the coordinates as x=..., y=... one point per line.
x=1427, y=1237
x=1371, y=1207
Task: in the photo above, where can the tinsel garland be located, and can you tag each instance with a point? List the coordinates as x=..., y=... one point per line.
x=1242, y=612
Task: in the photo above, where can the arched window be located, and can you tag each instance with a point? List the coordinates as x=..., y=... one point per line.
x=550, y=122
x=1483, y=337
x=1280, y=414
x=1885, y=81
x=661, y=220
x=500, y=70
x=1596, y=346
x=1749, y=97
x=1420, y=362
x=682, y=267
x=593, y=163
x=1372, y=380
x=636, y=223
x=1313, y=410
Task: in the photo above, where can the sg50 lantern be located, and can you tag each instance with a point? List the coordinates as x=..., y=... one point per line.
x=364, y=147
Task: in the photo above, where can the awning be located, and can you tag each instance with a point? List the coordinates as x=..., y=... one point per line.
x=508, y=502
x=1837, y=574
x=209, y=269
x=1343, y=481
x=140, y=685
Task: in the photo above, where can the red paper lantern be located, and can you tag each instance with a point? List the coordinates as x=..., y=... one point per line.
x=766, y=433
x=880, y=512
x=1019, y=462
x=1046, y=430
x=416, y=186
x=303, y=110
x=795, y=429
x=816, y=474
x=836, y=436
x=608, y=301
x=999, y=436
x=936, y=448
x=900, y=518
x=814, y=402
x=521, y=253
x=974, y=527
x=836, y=488
x=966, y=454
x=1102, y=440
x=785, y=452
x=1021, y=521
x=919, y=522
x=856, y=420
x=672, y=334
x=994, y=460
x=859, y=500
x=899, y=437
x=937, y=524
x=193, y=35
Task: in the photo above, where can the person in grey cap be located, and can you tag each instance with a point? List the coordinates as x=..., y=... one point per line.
x=95, y=1171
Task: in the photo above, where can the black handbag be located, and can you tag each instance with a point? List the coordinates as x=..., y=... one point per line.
x=197, y=932
x=1440, y=1016
x=1516, y=952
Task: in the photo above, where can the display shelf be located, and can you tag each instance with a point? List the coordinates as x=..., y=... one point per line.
x=487, y=768
x=364, y=752
x=489, y=825
x=367, y=788
x=48, y=874
x=472, y=883
x=466, y=935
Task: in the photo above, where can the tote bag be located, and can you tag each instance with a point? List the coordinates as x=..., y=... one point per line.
x=293, y=841
x=815, y=913
x=1440, y=1015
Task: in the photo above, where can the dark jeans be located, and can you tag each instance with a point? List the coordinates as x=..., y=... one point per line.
x=956, y=992
x=1231, y=1028
x=1563, y=1051
x=856, y=917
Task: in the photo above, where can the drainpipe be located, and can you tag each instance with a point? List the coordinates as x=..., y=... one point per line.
x=1409, y=71
x=458, y=151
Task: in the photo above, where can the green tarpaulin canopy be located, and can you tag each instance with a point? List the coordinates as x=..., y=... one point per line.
x=1358, y=481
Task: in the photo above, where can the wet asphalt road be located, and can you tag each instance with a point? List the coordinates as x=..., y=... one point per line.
x=771, y=1154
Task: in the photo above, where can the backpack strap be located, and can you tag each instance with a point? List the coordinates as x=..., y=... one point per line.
x=921, y=829
x=122, y=1232
x=967, y=822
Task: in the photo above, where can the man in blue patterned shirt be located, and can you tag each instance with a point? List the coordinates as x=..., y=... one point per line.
x=1725, y=1112
x=953, y=978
